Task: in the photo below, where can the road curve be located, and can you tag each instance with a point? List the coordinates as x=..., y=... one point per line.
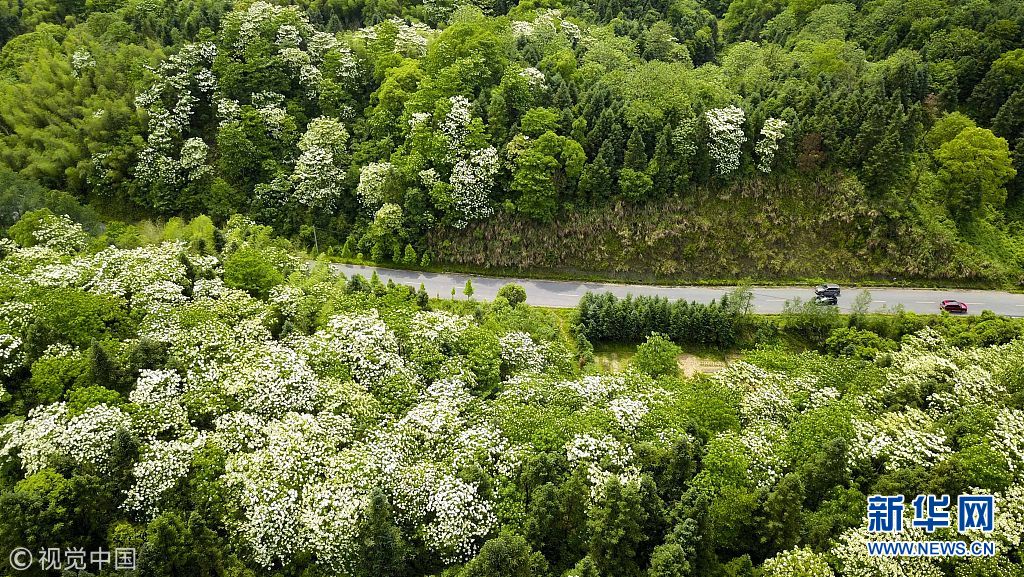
x=767, y=300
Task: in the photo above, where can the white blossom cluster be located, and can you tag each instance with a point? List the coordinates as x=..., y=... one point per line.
x=409, y=39
x=767, y=404
x=438, y=327
x=604, y=458
x=725, y=128
x=521, y=354
x=765, y=464
x=534, y=77
x=628, y=411
x=82, y=60
x=773, y=131
x=455, y=126
x=596, y=388
x=359, y=345
x=373, y=183
x=159, y=469
x=1007, y=438
x=269, y=485
x=1009, y=521
x=146, y=275
x=285, y=23
x=183, y=81
x=854, y=561
x=11, y=355
x=472, y=179
x=194, y=153
x=59, y=233
x=50, y=433
x=473, y=170
x=158, y=393
x=272, y=379
x=548, y=22
x=745, y=378
x=900, y=439
x=319, y=169
x=797, y=562
x=305, y=481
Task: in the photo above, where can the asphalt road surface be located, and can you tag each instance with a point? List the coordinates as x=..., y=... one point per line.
x=767, y=300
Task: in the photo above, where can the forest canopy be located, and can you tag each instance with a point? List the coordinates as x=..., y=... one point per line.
x=383, y=125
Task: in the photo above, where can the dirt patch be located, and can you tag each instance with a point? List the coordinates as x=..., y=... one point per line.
x=691, y=365
x=612, y=361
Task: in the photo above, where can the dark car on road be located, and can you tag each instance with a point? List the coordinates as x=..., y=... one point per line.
x=953, y=306
x=828, y=290
x=826, y=300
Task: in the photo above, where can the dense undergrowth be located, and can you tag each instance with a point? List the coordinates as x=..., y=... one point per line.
x=765, y=230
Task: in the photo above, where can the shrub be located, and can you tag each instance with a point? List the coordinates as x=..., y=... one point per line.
x=513, y=293
x=657, y=356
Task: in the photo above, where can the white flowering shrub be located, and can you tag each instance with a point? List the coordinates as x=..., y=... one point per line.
x=82, y=60
x=437, y=327
x=60, y=234
x=764, y=462
x=854, y=561
x=11, y=355
x=471, y=181
x=363, y=348
x=726, y=137
x=271, y=380
x=319, y=169
x=767, y=404
x=628, y=411
x=388, y=218
x=534, y=77
x=900, y=439
x=1007, y=437
x=374, y=183
x=50, y=433
x=602, y=458
x=163, y=465
x=521, y=354
x=773, y=131
x=797, y=562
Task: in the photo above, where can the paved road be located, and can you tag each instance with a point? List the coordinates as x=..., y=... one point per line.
x=766, y=299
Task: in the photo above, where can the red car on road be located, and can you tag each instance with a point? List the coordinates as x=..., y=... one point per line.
x=953, y=306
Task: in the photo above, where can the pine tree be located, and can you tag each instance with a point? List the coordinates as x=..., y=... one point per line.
x=636, y=152
x=410, y=257
x=383, y=551
x=422, y=298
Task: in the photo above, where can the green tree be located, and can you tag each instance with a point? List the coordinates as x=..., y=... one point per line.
x=622, y=525
x=657, y=356
x=947, y=128
x=409, y=257
x=382, y=549
x=249, y=269
x=506, y=556
x=175, y=548
x=468, y=290
x=670, y=560
x=513, y=293
x=973, y=169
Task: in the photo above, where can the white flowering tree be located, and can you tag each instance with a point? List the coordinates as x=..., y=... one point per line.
x=725, y=137
x=773, y=131
x=321, y=165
